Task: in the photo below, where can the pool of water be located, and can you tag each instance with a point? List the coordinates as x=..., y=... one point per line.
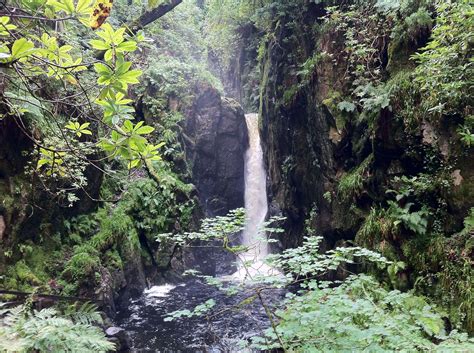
x=221, y=330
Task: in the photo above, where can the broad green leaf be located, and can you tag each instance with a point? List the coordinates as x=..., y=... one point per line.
x=102, y=69
x=108, y=55
x=22, y=48
x=123, y=67
x=128, y=126
x=144, y=130
x=84, y=6
x=130, y=76
x=127, y=46
x=99, y=44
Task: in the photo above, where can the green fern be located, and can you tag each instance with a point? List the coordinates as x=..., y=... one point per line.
x=23, y=330
x=86, y=314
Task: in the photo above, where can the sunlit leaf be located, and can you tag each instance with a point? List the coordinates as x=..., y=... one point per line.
x=22, y=48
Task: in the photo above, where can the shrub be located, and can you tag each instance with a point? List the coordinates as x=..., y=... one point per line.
x=359, y=315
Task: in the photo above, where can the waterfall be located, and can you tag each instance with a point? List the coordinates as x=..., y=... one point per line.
x=256, y=206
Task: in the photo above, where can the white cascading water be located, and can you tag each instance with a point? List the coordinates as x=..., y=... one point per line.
x=256, y=205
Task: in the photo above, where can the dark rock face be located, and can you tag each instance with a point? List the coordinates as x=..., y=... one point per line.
x=12, y=161
x=308, y=146
x=313, y=151
x=24, y=202
x=297, y=147
x=216, y=138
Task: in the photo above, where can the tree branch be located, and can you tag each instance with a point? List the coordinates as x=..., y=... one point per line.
x=154, y=14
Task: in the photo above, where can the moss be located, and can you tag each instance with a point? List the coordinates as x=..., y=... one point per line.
x=351, y=184
x=37, y=265
x=21, y=277
x=25, y=274
x=378, y=228
x=6, y=200
x=114, y=226
x=289, y=94
x=114, y=242
x=404, y=99
x=331, y=101
x=10, y=282
x=112, y=260
x=83, y=262
x=41, y=261
x=398, y=58
x=443, y=269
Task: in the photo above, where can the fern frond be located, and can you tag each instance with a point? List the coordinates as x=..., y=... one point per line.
x=47, y=331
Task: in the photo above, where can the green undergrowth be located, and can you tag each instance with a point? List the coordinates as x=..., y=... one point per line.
x=351, y=184
x=443, y=267
x=439, y=266
x=105, y=239
x=360, y=315
x=112, y=238
x=33, y=264
x=71, y=329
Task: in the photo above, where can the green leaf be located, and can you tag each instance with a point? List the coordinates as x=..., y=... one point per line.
x=108, y=55
x=65, y=5
x=22, y=48
x=144, y=130
x=102, y=69
x=128, y=126
x=99, y=44
x=130, y=76
x=84, y=6
x=128, y=46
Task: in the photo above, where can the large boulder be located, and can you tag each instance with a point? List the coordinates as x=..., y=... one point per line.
x=215, y=142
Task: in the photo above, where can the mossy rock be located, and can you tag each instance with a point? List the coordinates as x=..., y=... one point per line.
x=112, y=260
x=82, y=264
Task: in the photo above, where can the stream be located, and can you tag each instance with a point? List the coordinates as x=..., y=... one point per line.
x=225, y=326
x=221, y=332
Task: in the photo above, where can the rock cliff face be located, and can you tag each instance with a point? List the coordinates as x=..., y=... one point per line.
x=216, y=138
x=241, y=77
x=296, y=136
x=24, y=202
x=355, y=174
x=12, y=212
x=309, y=144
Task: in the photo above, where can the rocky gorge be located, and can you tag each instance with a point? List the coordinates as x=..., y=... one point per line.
x=364, y=120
